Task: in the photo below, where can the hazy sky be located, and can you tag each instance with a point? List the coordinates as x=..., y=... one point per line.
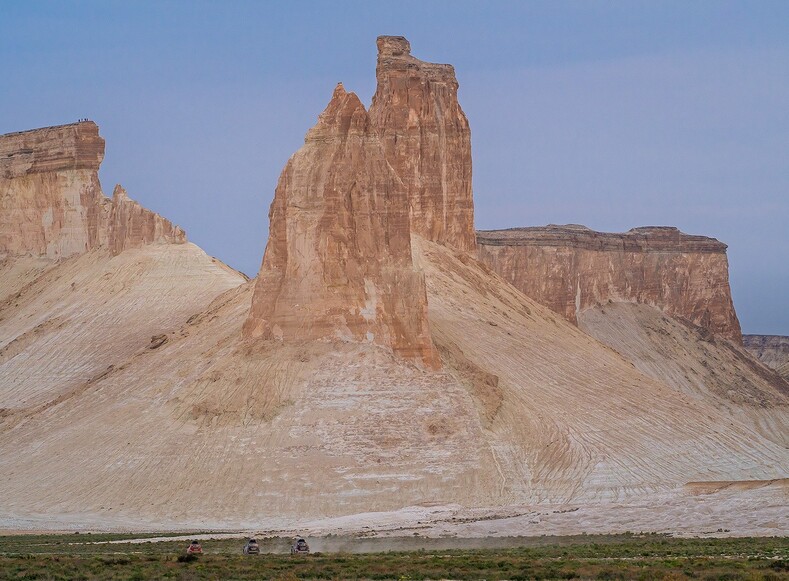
x=608, y=114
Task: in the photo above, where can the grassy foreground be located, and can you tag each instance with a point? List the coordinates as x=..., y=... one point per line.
x=586, y=557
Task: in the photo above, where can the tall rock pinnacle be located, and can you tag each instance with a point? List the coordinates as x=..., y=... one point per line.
x=427, y=141
x=338, y=260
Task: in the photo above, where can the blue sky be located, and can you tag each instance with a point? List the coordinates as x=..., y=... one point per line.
x=608, y=114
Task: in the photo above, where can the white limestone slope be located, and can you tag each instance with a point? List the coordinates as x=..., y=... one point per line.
x=210, y=431
x=64, y=324
x=697, y=364
x=578, y=421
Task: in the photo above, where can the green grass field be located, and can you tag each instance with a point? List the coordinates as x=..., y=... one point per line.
x=87, y=557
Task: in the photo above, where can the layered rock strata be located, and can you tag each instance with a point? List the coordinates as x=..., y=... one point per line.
x=338, y=261
x=572, y=268
x=52, y=203
x=427, y=140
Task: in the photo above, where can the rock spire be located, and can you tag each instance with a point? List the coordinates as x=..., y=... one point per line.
x=427, y=140
x=338, y=260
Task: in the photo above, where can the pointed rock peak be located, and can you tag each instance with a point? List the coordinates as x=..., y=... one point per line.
x=345, y=112
x=339, y=91
x=130, y=225
x=393, y=46
x=119, y=193
x=342, y=100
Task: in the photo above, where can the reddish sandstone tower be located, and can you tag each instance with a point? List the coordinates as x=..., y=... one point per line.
x=427, y=140
x=338, y=260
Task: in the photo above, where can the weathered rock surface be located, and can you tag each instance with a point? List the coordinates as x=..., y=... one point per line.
x=52, y=203
x=772, y=350
x=427, y=140
x=129, y=225
x=338, y=260
x=62, y=147
x=572, y=268
x=49, y=190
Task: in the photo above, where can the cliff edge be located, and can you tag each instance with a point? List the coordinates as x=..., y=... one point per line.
x=572, y=268
x=52, y=201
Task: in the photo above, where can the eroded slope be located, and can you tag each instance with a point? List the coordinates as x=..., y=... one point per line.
x=528, y=409
x=576, y=419
x=69, y=322
x=696, y=363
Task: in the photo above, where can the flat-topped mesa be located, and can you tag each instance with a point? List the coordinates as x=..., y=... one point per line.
x=642, y=239
x=427, y=140
x=338, y=265
x=571, y=268
x=63, y=147
x=50, y=191
x=52, y=201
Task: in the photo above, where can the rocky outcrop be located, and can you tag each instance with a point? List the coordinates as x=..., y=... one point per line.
x=52, y=203
x=49, y=190
x=338, y=261
x=772, y=350
x=427, y=140
x=131, y=226
x=63, y=147
x=572, y=268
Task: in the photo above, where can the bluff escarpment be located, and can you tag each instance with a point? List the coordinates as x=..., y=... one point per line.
x=572, y=268
x=772, y=350
x=52, y=203
x=427, y=140
x=338, y=261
